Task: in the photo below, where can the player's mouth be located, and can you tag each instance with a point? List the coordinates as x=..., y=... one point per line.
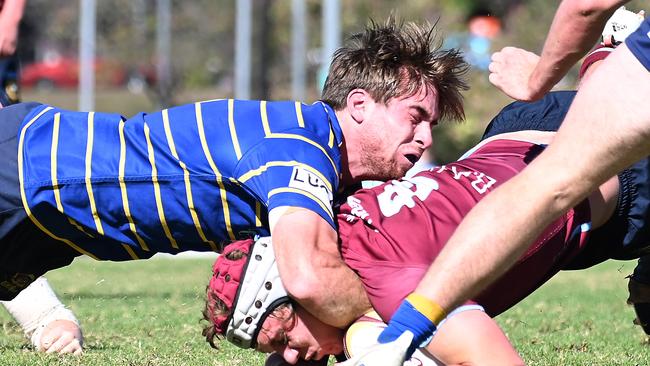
x=309, y=355
x=413, y=158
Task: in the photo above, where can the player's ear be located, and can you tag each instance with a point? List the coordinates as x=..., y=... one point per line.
x=357, y=104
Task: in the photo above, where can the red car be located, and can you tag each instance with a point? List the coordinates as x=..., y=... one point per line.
x=63, y=72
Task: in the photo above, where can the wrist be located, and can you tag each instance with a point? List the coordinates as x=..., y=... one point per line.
x=427, y=307
x=417, y=315
x=537, y=86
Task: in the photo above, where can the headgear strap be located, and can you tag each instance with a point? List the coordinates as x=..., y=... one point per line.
x=250, y=286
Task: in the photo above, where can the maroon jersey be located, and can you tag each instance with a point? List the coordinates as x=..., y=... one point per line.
x=390, y=234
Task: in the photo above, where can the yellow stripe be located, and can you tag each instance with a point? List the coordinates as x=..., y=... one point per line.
x=130, y=251
x=125, y=197
x=330, y=142
x=258, y=214
x=89, y=187
x=265, y=118
x=23, y=196
x=231, y=124
x=212, y=100
x=53, y=161
x=255, y=172
x=302, y=138
x=186, y=177
x=79, y=227
x=301, y=121
x=304, y=193
x=156, y=188
x=427, y=307
x=213, y=166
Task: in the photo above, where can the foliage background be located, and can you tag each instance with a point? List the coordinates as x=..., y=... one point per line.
x=203, y=41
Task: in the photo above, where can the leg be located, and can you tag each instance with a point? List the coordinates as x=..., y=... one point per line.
x=9, y=88
x=25, y=252
x=639, y=288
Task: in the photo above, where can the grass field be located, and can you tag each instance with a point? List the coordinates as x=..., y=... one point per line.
x=147, y=313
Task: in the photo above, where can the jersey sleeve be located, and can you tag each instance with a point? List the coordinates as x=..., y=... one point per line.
x=294, y=168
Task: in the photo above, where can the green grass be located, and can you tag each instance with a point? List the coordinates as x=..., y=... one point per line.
x=138, y=314
x=147, y=313
x=579, y=318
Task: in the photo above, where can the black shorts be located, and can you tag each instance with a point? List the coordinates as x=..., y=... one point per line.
x=25, y=251
x=626, y=235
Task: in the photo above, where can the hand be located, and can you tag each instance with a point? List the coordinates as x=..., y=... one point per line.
x=63, y=337
x=384, y=354
x=510, y=71
x=8, y=38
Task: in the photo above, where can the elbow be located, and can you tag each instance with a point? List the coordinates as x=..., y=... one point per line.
x=596, y=8
x=303, y=288
x=299, y=278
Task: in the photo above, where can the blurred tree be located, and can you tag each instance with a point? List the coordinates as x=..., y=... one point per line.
x=202, y=44
x=265, y=57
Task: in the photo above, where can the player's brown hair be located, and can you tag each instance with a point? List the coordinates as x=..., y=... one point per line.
x=397, y=59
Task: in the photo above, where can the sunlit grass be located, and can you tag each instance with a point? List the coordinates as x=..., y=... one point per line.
x=147, y=313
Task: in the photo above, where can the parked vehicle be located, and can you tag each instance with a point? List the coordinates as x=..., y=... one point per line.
x=63, y=72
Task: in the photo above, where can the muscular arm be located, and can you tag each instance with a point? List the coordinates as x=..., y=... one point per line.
x=12, y=12
x=575, y=29
x=312, y=269
x=601, y=134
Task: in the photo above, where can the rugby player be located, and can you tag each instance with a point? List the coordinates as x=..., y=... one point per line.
x=606, y=130
x=198, y=176
x=389, y=235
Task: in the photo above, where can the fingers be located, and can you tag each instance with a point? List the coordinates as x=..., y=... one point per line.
x=63, y=337
x=510, y=71
x=67, y=343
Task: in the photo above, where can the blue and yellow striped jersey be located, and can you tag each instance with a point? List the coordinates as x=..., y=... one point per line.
x=192, y=177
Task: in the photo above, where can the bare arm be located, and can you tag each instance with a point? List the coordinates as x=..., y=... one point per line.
x=602, y=134
x=575, y=29
x=12, y=12
x=605, y=130
x=312, y=269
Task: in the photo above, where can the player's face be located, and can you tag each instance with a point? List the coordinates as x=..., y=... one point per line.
x=398, y=133
x=296, y=334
